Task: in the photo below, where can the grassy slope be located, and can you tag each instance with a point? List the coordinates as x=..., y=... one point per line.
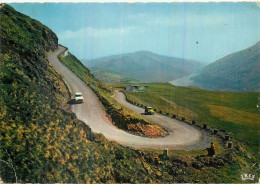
x=109, y=76
x=235, y=112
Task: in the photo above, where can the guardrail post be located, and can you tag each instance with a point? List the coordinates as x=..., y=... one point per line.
x=165, y=152
x=227, y=137
x=230, y=145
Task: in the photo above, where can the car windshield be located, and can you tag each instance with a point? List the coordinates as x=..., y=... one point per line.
x=78, y=95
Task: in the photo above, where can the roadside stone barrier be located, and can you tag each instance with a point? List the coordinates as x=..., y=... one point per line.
x=227, y=137
x=230, y=145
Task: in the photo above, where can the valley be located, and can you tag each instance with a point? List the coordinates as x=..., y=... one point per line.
x=146, y=66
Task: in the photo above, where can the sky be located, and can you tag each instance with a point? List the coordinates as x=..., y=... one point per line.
x=204, y=32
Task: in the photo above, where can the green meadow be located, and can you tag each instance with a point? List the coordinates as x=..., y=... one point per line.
x=234, y=112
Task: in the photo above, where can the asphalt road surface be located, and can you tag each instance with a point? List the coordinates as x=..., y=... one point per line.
x=181, y=136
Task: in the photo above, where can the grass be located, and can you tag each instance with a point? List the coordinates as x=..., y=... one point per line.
x=235, y=112
x=219, y=150
x=109, y=76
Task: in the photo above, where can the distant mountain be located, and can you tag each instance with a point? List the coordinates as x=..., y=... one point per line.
x=146, y=66
x=239, y=71
x=109, y=76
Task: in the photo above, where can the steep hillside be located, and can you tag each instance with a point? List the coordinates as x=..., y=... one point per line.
x=238, y=71
x=147, y=66
x=32, y=94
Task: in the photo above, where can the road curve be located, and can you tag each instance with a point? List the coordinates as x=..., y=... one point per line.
x=181, y=136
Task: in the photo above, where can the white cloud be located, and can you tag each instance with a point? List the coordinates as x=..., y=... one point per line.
x=91, y=32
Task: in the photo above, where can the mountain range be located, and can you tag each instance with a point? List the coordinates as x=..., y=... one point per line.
x=237, y=71
x=146, y=66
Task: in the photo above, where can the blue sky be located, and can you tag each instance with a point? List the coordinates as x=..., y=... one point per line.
x=198, y=31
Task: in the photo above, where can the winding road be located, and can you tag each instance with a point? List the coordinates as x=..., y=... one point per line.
x=181, y=136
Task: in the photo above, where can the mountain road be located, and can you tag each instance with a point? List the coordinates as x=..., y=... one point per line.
x=181, y=135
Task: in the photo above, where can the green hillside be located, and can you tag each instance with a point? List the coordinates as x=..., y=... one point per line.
x=238, y=72
x=109, y=76
x=146, y=66
x=234, y=112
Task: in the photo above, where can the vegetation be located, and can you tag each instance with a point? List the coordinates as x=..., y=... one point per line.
x=120, y=116
x=234, y=112
x=109, y=76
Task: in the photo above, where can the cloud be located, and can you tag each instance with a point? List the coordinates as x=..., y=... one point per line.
x=90, y=42
x=91, y=32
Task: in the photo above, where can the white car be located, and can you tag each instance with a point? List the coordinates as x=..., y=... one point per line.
x=78, y=98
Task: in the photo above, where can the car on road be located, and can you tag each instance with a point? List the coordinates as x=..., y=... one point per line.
x=78, y=98
x=148, y=110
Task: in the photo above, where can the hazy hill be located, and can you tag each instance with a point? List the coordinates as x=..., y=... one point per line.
x=147, y=66
x=109, y=76
x=238, y=71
